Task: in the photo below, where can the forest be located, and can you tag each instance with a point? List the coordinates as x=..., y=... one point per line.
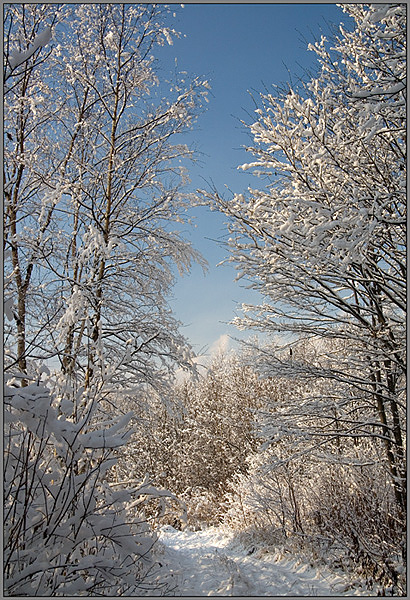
x=295, y=444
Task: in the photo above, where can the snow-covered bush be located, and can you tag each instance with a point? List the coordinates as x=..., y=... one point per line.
x=312, y=486
x=67, y=530
x=332, y=514
x=204, y=507
x=195, y=438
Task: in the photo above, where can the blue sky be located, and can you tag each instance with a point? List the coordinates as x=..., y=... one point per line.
x=238, y=48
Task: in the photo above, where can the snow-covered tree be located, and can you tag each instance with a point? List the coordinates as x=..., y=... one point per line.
x=93, y=191
x=109, y=196
x=29, y=111
x=324, y=240
x=123, y=250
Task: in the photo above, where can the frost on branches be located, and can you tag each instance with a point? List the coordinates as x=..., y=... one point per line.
x=324, y=241
x=199, y=438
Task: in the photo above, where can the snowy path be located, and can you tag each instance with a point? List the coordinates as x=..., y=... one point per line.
x=207, y=563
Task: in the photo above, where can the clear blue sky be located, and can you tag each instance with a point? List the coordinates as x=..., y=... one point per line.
x=238, y=48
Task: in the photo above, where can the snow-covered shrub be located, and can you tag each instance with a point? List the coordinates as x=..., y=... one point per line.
x=338, y=513
x=319, y=483
x=354, y=508
x=67, y=530
x=196, y=436
x=204, y=507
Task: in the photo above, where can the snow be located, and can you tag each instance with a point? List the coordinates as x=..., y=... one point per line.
x=212, y=563
x=42, y=39
x=8, y=308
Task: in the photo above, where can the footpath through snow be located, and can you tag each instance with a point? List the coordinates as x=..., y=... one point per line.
x=210, y=563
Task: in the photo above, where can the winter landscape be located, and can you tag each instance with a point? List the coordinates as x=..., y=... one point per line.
x=135, y=464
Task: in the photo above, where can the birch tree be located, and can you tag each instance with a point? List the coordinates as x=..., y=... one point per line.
x=123, y=254
x=29, y=109
x=324, y=240
x=114, y=190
